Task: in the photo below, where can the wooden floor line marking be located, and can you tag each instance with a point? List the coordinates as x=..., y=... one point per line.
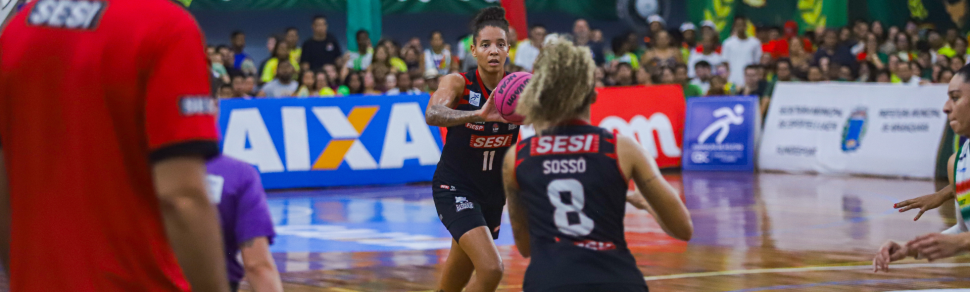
x=802, y=269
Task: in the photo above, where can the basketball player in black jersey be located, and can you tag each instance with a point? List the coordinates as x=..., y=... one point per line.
x=567, y=185
x=467, y=185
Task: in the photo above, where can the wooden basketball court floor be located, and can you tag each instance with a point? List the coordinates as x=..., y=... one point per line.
x=753, y=232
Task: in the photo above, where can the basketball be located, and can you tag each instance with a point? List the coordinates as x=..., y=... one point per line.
x=507, y=95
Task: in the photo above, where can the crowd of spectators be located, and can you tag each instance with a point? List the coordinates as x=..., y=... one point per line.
x=749, y=62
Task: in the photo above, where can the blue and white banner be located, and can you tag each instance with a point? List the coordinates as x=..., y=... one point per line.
x=321, y=142
x=720, y=133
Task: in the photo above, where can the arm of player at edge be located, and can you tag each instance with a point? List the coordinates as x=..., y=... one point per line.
x=261, y=272
x=441, y=110
x=517, y=212
x=934, y=200
x=191, y=221
x=668, y=209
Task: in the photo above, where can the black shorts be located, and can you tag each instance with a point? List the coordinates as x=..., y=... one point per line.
x=600, y=287
x=460, y=212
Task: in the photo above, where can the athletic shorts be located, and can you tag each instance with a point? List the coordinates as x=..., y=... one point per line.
x=460, y=212
x=600, y=287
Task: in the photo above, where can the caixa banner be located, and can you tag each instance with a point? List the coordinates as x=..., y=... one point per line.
x=720, y=133
x=653, y=115
x=320, y=142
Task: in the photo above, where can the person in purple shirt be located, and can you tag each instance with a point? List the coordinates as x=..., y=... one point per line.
x=246, y=224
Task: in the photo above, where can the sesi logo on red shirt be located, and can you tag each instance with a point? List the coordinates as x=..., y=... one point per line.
x=497, y=141
x=548, y=145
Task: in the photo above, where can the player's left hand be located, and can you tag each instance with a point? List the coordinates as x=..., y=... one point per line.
x=490, y=113
x=936, y=246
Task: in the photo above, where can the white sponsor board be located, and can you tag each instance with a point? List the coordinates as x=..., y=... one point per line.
x=829, y=128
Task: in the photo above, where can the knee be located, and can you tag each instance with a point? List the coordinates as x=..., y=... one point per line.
x=492, y=271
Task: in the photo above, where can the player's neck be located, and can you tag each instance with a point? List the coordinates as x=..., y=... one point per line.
x=490, y=80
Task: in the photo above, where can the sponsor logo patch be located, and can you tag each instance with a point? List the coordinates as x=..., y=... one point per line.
x=474, y=98
x=575, y=144
x=462, y=204
x=444, y=187
x=197, y=105
x=475, y=127
x=69, y=14
x=489, y=142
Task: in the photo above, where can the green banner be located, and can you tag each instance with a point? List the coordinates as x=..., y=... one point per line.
x=821, y=13
x=941, y=14
x=592, y=9
x=721, y=12
x=366, y=15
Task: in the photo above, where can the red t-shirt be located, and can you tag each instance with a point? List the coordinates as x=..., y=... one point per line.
x=91, y=93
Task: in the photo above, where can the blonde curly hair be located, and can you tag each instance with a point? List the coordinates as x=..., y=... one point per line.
x=561, y=87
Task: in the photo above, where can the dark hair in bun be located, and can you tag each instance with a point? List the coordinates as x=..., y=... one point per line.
x=491, y=16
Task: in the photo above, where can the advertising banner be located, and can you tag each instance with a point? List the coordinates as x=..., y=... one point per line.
x=840, y=128
x=653, y=115
x=720, y=133
x=321, y=142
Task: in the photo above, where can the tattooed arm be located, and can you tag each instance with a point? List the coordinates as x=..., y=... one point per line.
x=667, y=207
x=440, y=110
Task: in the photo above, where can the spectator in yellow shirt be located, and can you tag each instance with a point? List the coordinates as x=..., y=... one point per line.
x=281, y=52
x=293, y=42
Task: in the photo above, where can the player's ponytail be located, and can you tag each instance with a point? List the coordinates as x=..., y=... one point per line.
x=561, y=87
x=491, y=16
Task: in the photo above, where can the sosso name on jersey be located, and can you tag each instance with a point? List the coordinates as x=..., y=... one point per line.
x=564, y=166
x=71, y=14
x=547, y=145
x=496, y=141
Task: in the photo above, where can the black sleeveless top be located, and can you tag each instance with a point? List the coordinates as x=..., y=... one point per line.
x=472, y=157
x=575, y=194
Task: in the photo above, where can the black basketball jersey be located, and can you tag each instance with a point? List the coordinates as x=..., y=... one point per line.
x=575, y=194
x=472, y=157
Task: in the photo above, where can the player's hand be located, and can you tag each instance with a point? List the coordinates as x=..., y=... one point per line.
x=936, y=246
x=924, y=203
x=889, y=252
x=490, y=113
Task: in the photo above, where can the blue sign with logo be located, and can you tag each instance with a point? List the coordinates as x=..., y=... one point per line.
x=719, y=133
x=321, y=142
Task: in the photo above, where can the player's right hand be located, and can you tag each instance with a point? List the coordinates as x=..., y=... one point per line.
x=924, y=203
x=490, y=113
x=889, y=252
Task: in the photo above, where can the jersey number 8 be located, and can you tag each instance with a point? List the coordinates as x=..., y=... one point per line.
x=567, y=196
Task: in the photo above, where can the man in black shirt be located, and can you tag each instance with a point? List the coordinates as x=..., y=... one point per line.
x=322, y=48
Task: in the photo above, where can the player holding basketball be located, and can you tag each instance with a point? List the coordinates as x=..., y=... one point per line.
x=106, y=124
x=467, y=185
x=567, y=185
x=955, y=240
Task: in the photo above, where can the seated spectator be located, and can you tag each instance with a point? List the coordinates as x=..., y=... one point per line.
x=394, y=50
x=413, y=60
x=227, y=60
x=680, y=77
x=250, y=85
x=815, y=74
x=381, y=67
x=238, y=41
x=333, y=78
x=688, y=31
x=390, y=82
x=944, y=76
x=719, y=86
x=703, y=79
x=663, y=54
x=866, y=70
x=960, y=48
x=903, y=49
x=624, y=75
x=752, y=82
x=283, y=85
x=706, y=54
x=322, y=85
x=370, y=85
x=322, y=48
x=643, y=77
x=623, y=53
x=218, y=68
x=280, y=53
x=431, y=79
x=870, y=52
x=437, y=57
x=353, y=84
x=308, y=81
x=292, y=39
x=830, y=48
x=239, y=87
x=527, y=51
x=943, y=61
x=957, y=62
x=783, y=71
x=883, y=76
x=905, y=73
x=361, y=59
x=599, y=76
x=666, y=75
x=405, y=85
x=226, y=91
x=845, y=74
x=799, y=57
